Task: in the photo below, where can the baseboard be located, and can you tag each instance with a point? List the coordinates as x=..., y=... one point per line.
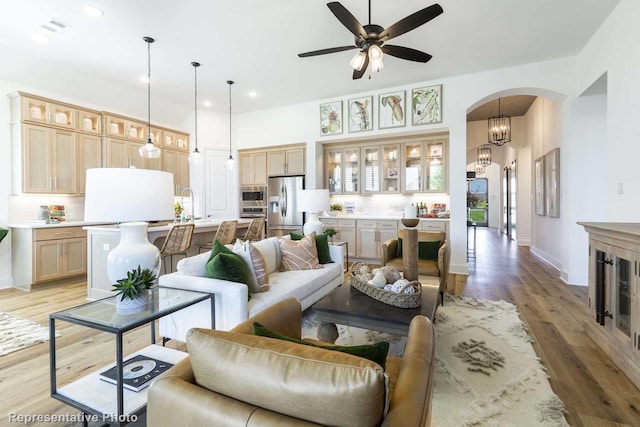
x=526, y=242
x=6, y=282
x=574, y=279
x=459, y=269
x=554, y=262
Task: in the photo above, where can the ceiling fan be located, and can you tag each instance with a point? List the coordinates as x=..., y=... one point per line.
x=371, y=38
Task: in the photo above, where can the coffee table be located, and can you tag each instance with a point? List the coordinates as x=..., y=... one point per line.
x=348, y=306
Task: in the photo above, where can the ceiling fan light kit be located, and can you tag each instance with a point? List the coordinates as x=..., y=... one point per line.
x=371, y=38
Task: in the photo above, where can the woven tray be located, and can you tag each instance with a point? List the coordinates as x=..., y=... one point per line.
x=391, y=298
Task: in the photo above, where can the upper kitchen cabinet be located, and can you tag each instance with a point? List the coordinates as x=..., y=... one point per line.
x=343, y=170
x=177, y=163
x=424, y=169
x=253, y=168
x=45, y=111
x=120, y=153
x=89, y=157
x=380, y=166
x=123, y=127
x=90, y=121
x=390, y=172
x=175, y=140
x=287, y=161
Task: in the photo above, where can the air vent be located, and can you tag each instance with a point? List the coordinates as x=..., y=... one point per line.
x=54, y=25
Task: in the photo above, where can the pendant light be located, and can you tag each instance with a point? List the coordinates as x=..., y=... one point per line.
x=230, y=162
x=484, y=156
x=499, y=128
x=149, y=150
x=195, y=157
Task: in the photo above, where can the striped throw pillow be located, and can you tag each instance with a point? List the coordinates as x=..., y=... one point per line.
x=299, y=254
x=259, y=268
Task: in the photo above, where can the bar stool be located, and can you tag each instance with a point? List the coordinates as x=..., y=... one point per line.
x=255, y=230
x=226, y=234
x=177, y=242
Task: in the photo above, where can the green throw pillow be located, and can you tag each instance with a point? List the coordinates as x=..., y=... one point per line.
x=229, y=267
x=375, y=352
x=428, y=250
x=217, y=249
x=399, y=248
x=3, y=233
x=322, y=246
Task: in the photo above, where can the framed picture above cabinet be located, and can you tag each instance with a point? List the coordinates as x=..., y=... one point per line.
x=391, y=110
x=331, y=118
x=361, y=114
x=426, y=105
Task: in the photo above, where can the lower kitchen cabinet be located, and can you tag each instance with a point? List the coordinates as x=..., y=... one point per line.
x=371, y=234
x=47, y=255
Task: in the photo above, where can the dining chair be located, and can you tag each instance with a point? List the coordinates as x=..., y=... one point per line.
x=177, y=242
x=226, y=234
x=255, y=230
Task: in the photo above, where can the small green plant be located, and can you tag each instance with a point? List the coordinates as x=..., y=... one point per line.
x=335, y=207
x=178, y=209
x=330, y=232
x=136, y=282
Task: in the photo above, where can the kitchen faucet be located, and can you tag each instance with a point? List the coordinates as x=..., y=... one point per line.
x=193, y=215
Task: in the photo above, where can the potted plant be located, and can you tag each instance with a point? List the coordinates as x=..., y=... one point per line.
x=334, y=208
x=131, y=291
x=330, y=232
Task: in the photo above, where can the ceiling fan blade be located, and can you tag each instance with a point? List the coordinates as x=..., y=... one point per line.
x=406, y=53
x=358, y=74
x=325, y=51
x=411, y=22
x=347, y=19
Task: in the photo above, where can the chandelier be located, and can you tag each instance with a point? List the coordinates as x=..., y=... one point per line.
x=499, y=128
x=484, y=156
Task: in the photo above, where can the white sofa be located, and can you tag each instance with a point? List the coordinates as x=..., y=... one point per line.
x=232, y=305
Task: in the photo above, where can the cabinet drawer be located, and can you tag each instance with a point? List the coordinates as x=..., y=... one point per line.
x=389, y=225
x=366, y=223
x=433, y=226
x=346, y=223
x=58, y=233
x=329, y=222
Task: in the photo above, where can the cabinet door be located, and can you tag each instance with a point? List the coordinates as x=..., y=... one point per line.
x=37, y=159
x=115, y=126
x=89, y=122
x=371, y=169
x=245, y=165
x=622, y=283
x=294, y=161
x=333, y=168
x=275, y=163
x=47, y=259
x=259, y=168
x=436, y=177
x=390, y=172
x=63, y=116
x=367, y=245
x=183, y=172
x=170, y=164
x=413, y=168
x=135, y=159
x=35, y=110
x=89, y=156
x=117, y=153
x=351, y=171
x=383, y=236
x=74, y=256
x=63, y=160
x=347, y=235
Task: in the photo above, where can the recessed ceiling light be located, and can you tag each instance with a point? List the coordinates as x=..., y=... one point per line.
x=94, y=12
x=40, y=39
x=207, y=103
x=253, y=94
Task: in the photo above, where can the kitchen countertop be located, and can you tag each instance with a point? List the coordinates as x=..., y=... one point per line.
x=60, y=224
x=380, y=217
x=167, y=225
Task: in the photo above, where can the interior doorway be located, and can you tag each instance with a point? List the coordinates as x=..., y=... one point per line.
x=478, y=202
x=509, y=208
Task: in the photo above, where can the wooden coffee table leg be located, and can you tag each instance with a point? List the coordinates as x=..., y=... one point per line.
x=327, y=332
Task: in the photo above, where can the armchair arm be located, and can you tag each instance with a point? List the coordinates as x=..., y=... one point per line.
x=284, y=317
x=389, y=250
x=443, y=265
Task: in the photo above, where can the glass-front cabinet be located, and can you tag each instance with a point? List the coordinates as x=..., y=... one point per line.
x=390, y=172
x=425, y=167
x=371, y=169
x=333, y=171
x=342, y=170
x=413, y=168
x=351, y=171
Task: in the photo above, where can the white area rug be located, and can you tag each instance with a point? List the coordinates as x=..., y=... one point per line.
x=17, y=333
x=486, y=372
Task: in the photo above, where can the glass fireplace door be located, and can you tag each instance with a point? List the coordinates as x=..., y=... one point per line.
x=621, y=288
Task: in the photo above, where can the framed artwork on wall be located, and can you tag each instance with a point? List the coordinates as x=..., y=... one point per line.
x=539, y=186
x=426, y=105
x=552, y=182
x=361, y=114
x=331, y=118
x=391, y=110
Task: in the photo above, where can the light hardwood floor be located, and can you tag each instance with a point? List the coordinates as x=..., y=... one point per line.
x=594, y=391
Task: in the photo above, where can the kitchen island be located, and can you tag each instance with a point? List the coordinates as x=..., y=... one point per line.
x=101, y=239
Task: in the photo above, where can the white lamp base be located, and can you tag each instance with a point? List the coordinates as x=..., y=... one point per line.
x=133, y=250
x=313, y=224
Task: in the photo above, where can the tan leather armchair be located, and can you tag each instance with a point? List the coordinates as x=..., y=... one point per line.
x=290, y=381
x=439, y=268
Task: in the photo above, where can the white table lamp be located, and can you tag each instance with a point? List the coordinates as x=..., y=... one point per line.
x=129, y=197
x=313, y=202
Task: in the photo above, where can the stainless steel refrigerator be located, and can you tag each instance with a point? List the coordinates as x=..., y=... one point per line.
x=283, y=216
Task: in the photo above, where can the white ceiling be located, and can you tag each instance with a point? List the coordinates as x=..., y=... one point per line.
x=256, y=42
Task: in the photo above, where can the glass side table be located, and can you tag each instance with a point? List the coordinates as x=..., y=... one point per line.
x=113, y=403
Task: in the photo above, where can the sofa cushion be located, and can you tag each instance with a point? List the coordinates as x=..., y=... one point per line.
x=299, y=254
x=259, y=278
x=267, y=248
x=229, y=267
x=313, y=384
x=322, y=246
x=426, y=250
x=193, y=265
x=375, y=352
x=259, y=268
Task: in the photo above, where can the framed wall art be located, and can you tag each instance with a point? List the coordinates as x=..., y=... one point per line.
x=361, y=114
x=552, y=182
x=391, y=110
x=426, y=105
x=539, y=186
x=331, y=118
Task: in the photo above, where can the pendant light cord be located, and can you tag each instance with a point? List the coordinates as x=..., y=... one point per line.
x=195, y=99
x=230, y=82
x=149, y=40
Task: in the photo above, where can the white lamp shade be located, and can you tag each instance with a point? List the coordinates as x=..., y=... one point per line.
x=121, y=195
x=313, y=200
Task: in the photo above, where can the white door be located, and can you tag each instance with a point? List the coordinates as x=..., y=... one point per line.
x=221, y=192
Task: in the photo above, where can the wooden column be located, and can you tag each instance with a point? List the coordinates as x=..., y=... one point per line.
x=410, y=254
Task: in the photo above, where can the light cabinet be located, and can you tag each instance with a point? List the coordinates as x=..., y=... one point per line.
x=424, y=168
x=89, y=121
x=121, y=153
x=177, y=163
x=290, y=161
x=123, y=127
x=49, y=160
x=371, y=234
x=89, y=156
x=346, y=232
x=343, y=170
x=43, y=111
x=175, y=140
x=380, y=166
x=253, y=168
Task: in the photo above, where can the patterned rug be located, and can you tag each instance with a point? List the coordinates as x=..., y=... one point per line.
x=17, y=333
x=486, y=371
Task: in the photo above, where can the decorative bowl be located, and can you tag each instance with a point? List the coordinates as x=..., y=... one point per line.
x=410, y=222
